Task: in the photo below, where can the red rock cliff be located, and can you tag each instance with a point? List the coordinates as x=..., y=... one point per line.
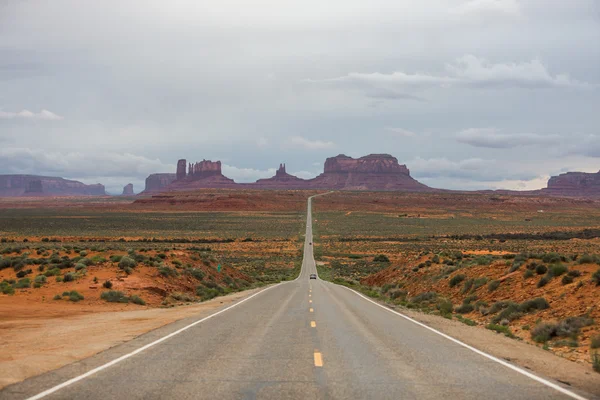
x=156, y=182
x=373, y=163
x=574, y=184
x=20, y=185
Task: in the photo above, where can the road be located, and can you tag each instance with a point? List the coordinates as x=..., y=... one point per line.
x=304, y=339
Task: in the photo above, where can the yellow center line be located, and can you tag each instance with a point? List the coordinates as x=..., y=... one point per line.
x=313, y=324
x=310, y=295
x=310, y=301
x=318, y=359
x=310, y=309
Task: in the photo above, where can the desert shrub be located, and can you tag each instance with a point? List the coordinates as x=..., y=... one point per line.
x=177, y=263
x=206, y=293
x=185, y=297
x=98, y=259
x=52, y=272
x=484, y=260
x=500, y=329
x=444, y=306
x=569, y=327
x=107, y=284
x=541, y=269
x=69, y=277
x=57, y=297
x=528, y=274
x=75, y=296
x=79, y=266
x=596, y=278
x=24, y=273
x=196, y=273
x=493, y=285
x=167, y=271
x=574, y=273
x=596, y=361
x=114, y=296
x=135, y=299
x=465, y=308
x=83, y=253
x=479, y=282
x=567, y=279
x=424, y=297
x=536, y=304
x=40, y=279
x=470, y=299
x=127, y=262
x=161, y=255
x=397, y=293
x=549, y=258
x=467, y=286
x=116, y=258
x=544, y=281
x=501, y=305
x=595, y=342
x=557, y=269
x=7, y=288
x=381, y=258
x=23, y=283
x=587, y=259
x=456, y=279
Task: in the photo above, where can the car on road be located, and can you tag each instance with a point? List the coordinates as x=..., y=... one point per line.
x=312, y=276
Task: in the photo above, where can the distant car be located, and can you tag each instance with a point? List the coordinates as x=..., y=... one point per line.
x=313, y=276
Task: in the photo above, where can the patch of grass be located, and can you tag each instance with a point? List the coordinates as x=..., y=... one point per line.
x=569, y=327
x=501, y=329
x=75, y=296
x=114, y=296
x=465, y=308
x=493, y=285
x=456, y=279
x=23, y=283
x=135, y=299
x=466, y=321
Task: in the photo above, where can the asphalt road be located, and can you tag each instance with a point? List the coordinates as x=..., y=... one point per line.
x=305, y=339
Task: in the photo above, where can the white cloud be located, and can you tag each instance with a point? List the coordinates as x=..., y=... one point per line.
x=299, y=141
x=400, y=132
x=262, y=142
x=26, y=114
x=492, y=138
x=467, y=71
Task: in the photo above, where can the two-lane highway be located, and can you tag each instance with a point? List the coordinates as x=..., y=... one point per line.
x=304, y=339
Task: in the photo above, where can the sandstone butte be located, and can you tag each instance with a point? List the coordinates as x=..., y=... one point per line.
x=128, y=190
x=33, y=185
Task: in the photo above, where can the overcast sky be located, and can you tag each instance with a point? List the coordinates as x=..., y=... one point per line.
x=469, y=94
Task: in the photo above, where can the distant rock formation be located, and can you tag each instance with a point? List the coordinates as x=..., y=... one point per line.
x=34, y=185
x=157, y=182
x=203, y=174
x=574, y=184
x=281, y=180
x=128, y=190
x=372, y=172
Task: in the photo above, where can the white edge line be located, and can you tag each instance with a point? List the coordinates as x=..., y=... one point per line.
x=481, y=353
x=141, y=349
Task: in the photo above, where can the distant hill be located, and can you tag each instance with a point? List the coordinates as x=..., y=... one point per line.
x=34, y=185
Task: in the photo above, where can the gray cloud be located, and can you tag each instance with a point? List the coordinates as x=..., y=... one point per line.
x=26, y=114
x=492, y=138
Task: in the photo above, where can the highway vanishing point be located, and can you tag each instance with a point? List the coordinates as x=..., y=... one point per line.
x=303, y=339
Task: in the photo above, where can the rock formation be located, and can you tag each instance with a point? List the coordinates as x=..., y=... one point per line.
x=28, y=185
x=128, y=190
x=281, y=180
x=574, y=184
x=372, y=172
x=180, y=170
x=157, y=182
x=203, y=174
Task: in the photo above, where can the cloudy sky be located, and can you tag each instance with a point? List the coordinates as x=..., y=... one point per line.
x=468, y=93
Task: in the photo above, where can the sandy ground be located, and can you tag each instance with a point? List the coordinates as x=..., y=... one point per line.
x=30, y=345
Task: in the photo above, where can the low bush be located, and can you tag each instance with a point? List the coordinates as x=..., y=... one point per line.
x=544, y=281
x=40, y=279
x=557, y=269
x=127, y=262
x=69, y=277
x=541, y=269
x=456, y=279
x=465, y=308
x=501, y=329
x=23, y=283
x=569, y=327
x=107, y=284
x=567, y=279
x=381, y=258
x=135, y=299
x=114, y=296
x=444, y=306
x=493, y=285
x=595, y=342
x=596, y=361
x=528, y=274
x=7, y=288
x=167, y=271
x=196, y=273
x=75, y=296
x=57, y=297
x=596, y=278
x=424, y=297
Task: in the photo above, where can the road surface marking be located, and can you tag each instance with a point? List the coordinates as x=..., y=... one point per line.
x=310, y=309
x=310, y=301
x=162, y=339
x=318, y=359
x=310, y=295
x=313, y=324
x=486, y=355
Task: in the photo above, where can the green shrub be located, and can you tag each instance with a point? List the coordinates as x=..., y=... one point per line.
x=381, y=258
x=456, y=279
x=569, y=327
x=493, y=285
x=424, y=297
x=557, y=270
x=127, y=262
x=596, y=361
x=79, y=266
x=7, y=288
x=595, y=342
x=544, y=281
x=107, y=284
x=444, y=306
x=467, y=286
x=166, y=271
x=587, y=259
x=23, y=283
x=53, y=272
x=479, y=282
x=40, y=279
x=75, y=296
x=196, y=273
x=596, y=278
x=541, y=269
x=466, y=321
x=465, y=308
x=528, y=274
x=69, y=277
x=397, y=293
x=57, y=297
x=567, y=279
x=137, y=300
x=501, y=329
x=115, y=258
x=114, y=296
